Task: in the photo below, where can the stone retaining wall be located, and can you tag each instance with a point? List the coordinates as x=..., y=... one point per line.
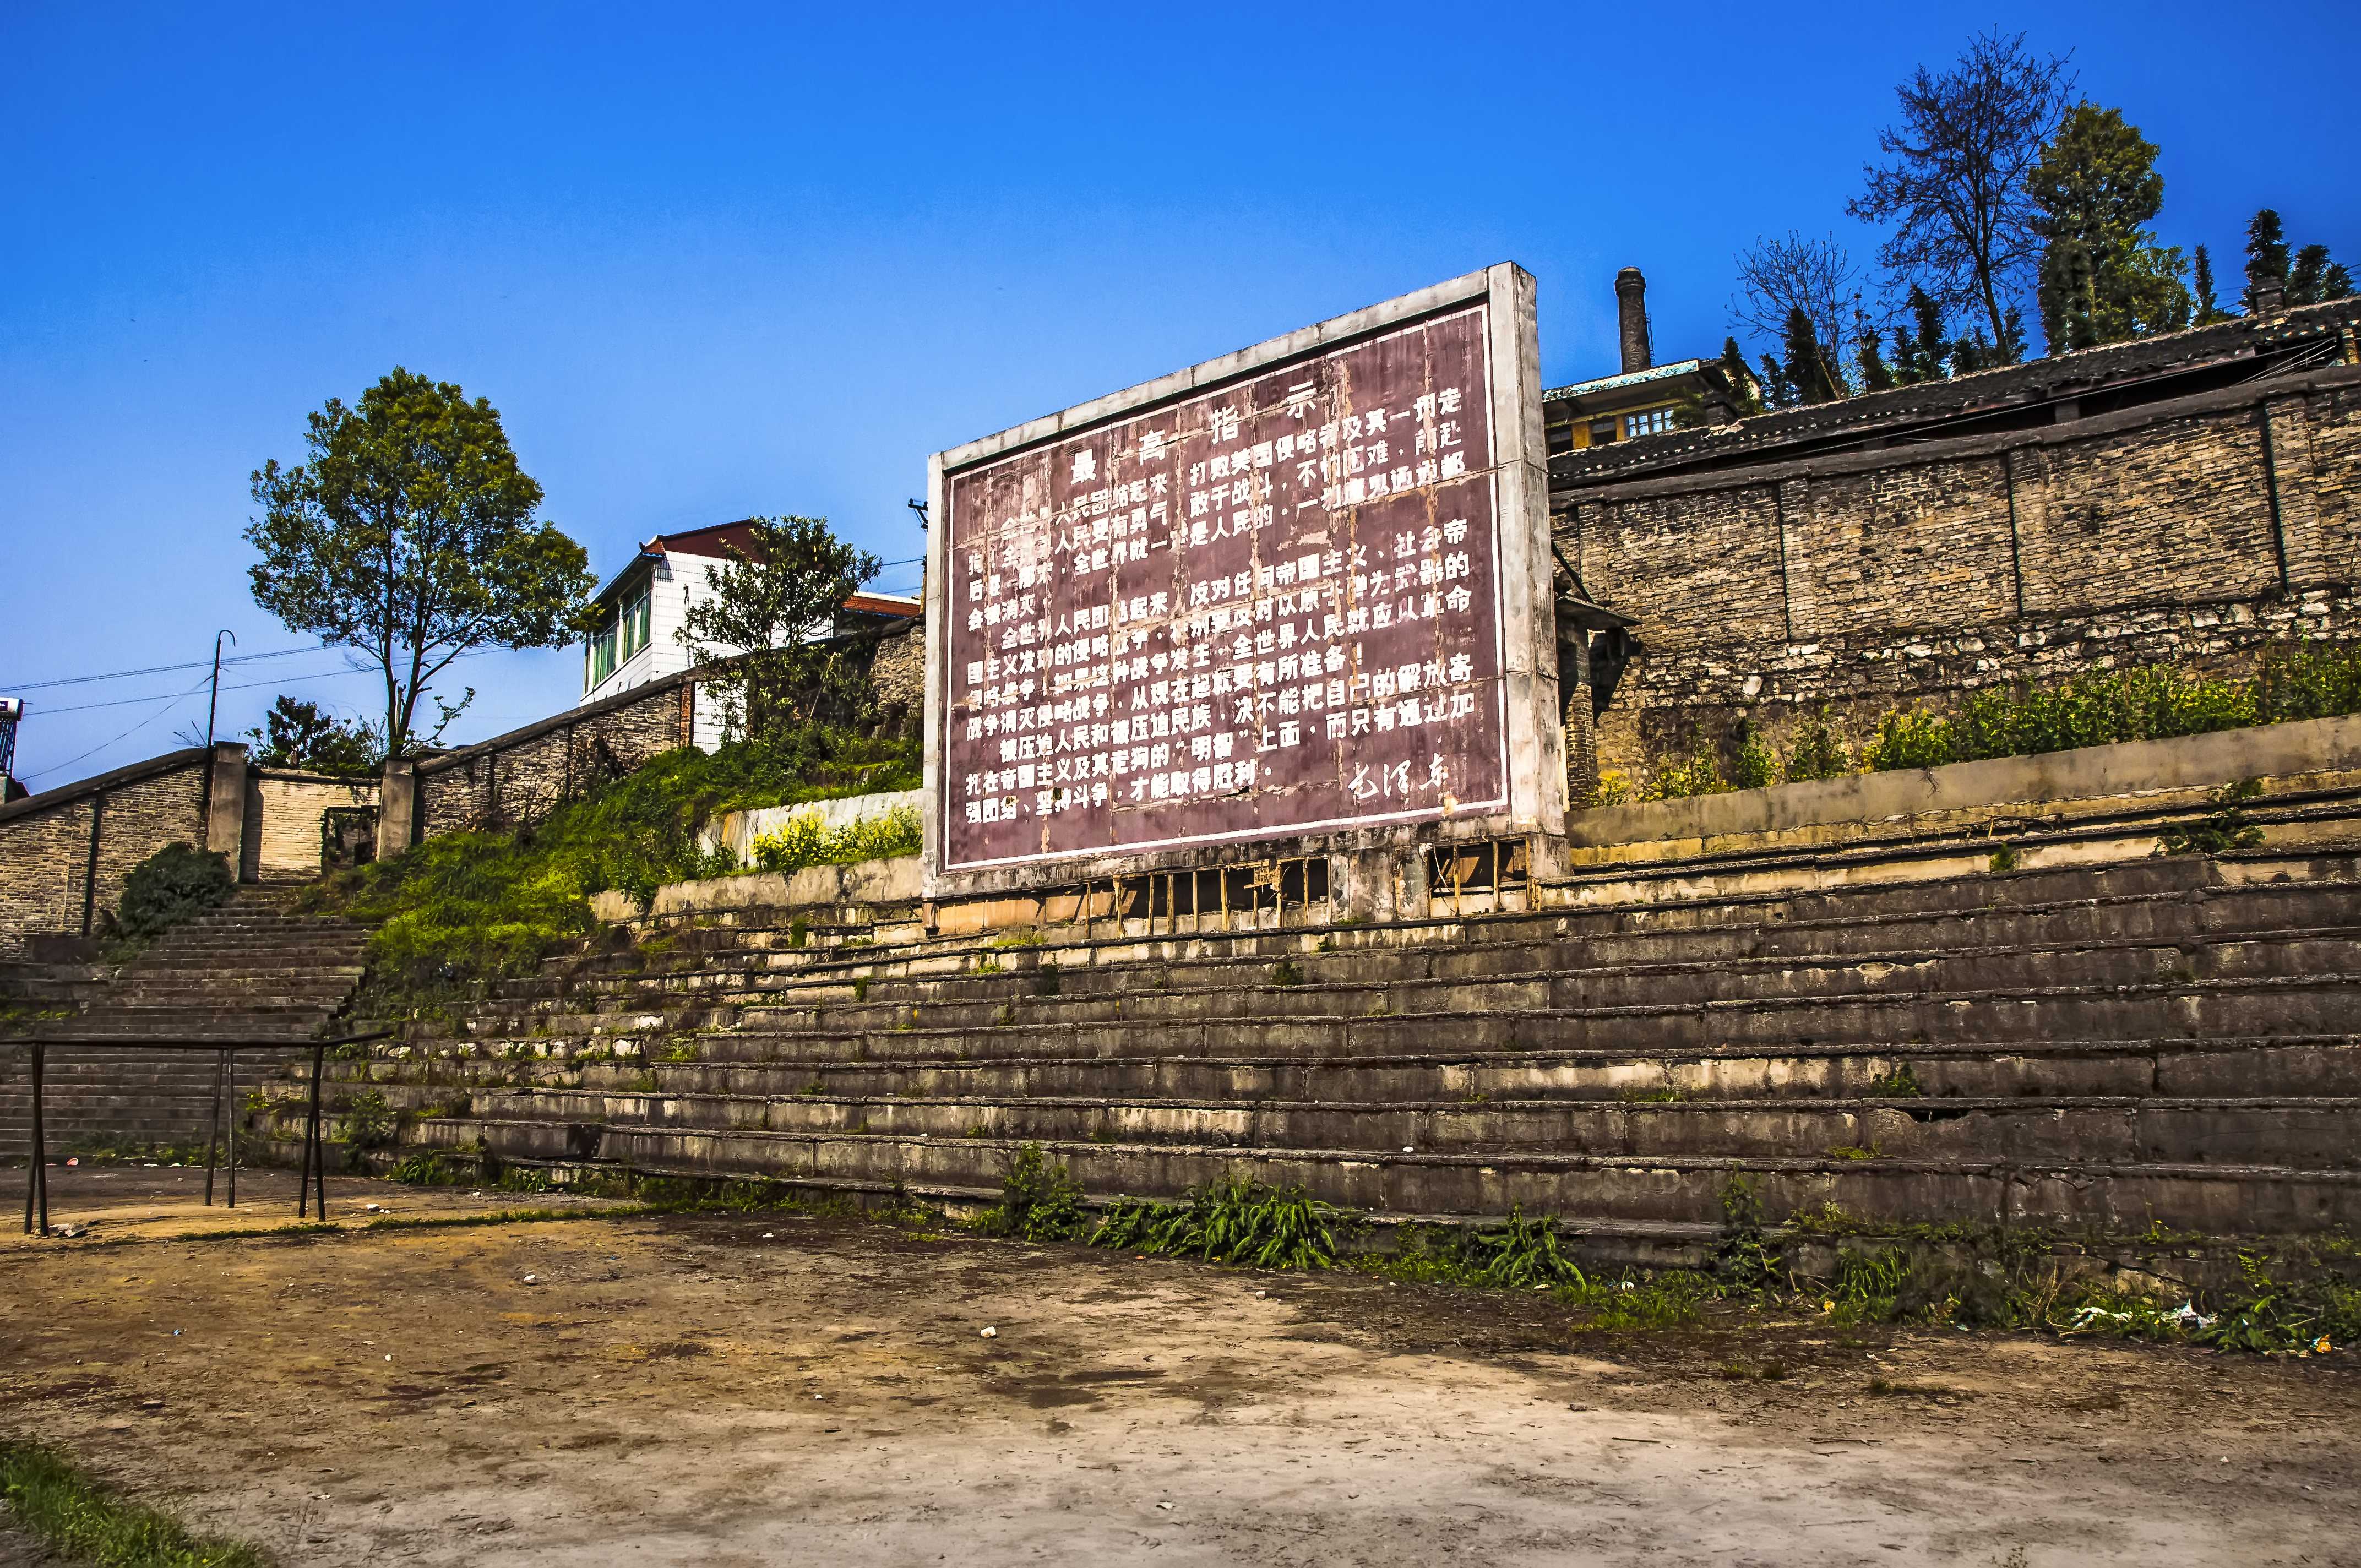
x=2192, y=532
x=64, y=852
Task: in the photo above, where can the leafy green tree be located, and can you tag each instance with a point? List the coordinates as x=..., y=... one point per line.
x=2266, y=256
x=2208, y=307
x=777, y=602
x=299, y=734
x=408, y=534
x=2102, y=278
x=1953, y=186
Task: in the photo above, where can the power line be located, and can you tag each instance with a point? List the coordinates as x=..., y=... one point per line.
x=247, y=685
x=94, y=750
x=205, y=664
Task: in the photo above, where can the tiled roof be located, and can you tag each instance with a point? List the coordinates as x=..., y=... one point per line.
x=1628, y=378
x=2081, y=373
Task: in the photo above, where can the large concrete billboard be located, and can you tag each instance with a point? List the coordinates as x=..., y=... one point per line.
x=1283, y=596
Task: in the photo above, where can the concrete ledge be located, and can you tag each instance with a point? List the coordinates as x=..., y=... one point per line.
x=2131, y=773
x=864, y=883
x=739, y=829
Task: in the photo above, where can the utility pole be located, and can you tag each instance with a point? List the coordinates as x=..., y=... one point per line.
x=214, y=702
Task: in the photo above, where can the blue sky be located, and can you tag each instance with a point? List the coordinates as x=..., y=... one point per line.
x=710, y=261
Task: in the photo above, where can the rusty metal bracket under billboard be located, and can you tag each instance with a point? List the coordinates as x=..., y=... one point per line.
x=1291, y=597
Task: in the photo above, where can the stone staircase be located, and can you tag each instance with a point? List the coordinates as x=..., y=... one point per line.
x=2168, y=1041
x=254, y=973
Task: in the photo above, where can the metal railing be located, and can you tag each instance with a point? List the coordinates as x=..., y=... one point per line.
x=312, y=1184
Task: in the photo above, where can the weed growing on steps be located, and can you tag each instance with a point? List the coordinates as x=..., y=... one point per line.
x=1902, y=1083
x=2225, y=828
x=1039, y=1200
x=1236, y=1222
x=86, y=1522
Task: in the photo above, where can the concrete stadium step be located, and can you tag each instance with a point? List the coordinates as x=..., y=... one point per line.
x=2308, y=1134
x=2175, y=1039
x=1105, y=968
x=2116, y=1196
x=2173, y=1009
x=2290, y=1067
x=257, y=972
x=1041, y=989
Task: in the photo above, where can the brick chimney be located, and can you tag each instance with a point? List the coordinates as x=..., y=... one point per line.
x=1632, y=317
x=2271, y=296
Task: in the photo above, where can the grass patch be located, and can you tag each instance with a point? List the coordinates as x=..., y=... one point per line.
x=83, y=1519
x=464, y=908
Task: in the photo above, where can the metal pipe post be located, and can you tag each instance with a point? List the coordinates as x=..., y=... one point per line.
x=319, y=1134
x=213, y=1131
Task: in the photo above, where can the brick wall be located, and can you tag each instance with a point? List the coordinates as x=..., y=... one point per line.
x=2192, y=532
x=45, y=842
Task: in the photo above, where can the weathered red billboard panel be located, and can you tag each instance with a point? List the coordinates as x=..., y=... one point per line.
x=1271, y=608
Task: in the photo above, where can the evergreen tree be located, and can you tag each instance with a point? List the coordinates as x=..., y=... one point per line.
x=2103, y=278
x=1876, y=376
x=2266, y=256
x=1808, y=371
x=1976, y=352
x=1742, y=388
x=1776, y=386
x=2336, y=283
x=2308, y=276
x=2209, y=308
x=1920, y=349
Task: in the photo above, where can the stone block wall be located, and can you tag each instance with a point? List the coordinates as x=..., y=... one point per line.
x=46, y=862
x=898, y=673
x=2192, y=532
x=519, y=777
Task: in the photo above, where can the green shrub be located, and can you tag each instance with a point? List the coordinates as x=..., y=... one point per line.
x=369, y=1121
x=1522, y=1254
x=2309, y=680
x=1699, y=773
x=801, y=841
x=1755, y=765
x=1816, y=751
x=173, y=885
x=1913, y=738
x=1039, y=1200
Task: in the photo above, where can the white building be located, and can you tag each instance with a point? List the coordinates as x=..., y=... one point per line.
x=644, y=604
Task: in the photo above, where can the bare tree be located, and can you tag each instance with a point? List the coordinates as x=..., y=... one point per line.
x=1953, y=186
x=1777, y=278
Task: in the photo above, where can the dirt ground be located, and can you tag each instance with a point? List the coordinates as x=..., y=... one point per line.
x=747, y=1389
